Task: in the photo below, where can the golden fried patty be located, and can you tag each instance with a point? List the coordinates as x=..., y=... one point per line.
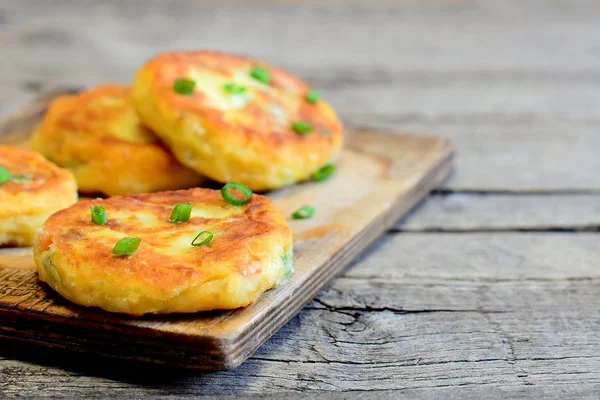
x=234, y=126
x=32, y=189
x=98, y=136
x=249, y=253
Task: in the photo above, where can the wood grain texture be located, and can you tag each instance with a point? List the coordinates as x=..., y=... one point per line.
x=403, y=327
x=358, y=34
x=494, y=257
x=518, y=157
x=379, y=178
x=464, y=212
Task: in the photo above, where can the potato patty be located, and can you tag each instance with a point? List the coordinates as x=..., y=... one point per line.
x=235, y=118
x=32, y=188
x=249, y=254
x=98, y=136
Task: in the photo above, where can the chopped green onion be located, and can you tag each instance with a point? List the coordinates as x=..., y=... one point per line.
x=302, y=127
x=233, y=199
x=5, y=175
x=181, y=213
x=20, y=178
x=184, y=86
x=98, y=215
x=127, y=246
x=261, y=74
x=304, y=212
x=202, y=238
x=324, y=173
x=234, y=88
x=313, y=96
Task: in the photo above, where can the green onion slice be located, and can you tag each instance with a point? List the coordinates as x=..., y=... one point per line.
x=232, y=198
x=234, y=88
x=260, y=74
x=98, y=215
x=304, y=212
x=184, y=86
x=5, y=175
x=20, y=178
x=127, y=246
x=312, y=96
x=181, y=213
x=302, y=127
x=324, y=173
x=202, y=238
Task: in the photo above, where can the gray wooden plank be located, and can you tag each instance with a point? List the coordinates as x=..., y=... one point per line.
x=444, y=392
x=383, y=328
x=468, y=97
x=495, y=257
x=519, y=157
x=475, y=37
x=385, y=47
x=368, y=95
x=464, y=212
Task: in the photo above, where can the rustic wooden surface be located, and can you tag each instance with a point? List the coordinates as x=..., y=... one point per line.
x=380, y=177
x=491, y=289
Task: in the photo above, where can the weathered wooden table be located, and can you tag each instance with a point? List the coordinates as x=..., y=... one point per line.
x=491, y=288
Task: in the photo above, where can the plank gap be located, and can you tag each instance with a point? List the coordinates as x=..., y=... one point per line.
x=514, y=192
x=546, y=229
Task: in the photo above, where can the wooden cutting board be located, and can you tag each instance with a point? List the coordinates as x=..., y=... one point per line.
x=379, y=178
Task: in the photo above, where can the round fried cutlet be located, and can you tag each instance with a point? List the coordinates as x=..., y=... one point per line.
x=233, y=126
x=98, y=136
x=35, y=189
x=249, y=253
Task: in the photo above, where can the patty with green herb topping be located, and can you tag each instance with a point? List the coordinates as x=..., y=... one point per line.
x=235, y=118
x=168, y=252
